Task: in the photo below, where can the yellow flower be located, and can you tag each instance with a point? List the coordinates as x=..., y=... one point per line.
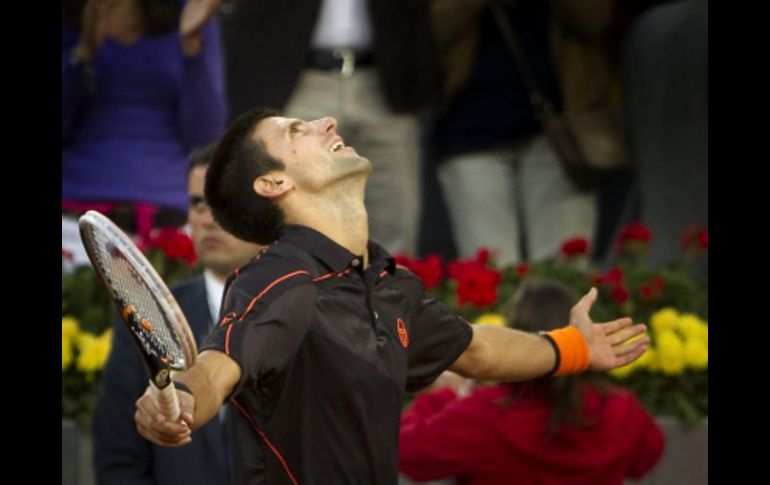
x=105, y=340
x=107, y=336
x=625, y=371
x=651, y=361
x=644, y=361
x=665, y=319
x=693, y=328
x=696, y=353
x=69, y=336
x=69, y=327
x=93, y=352
x=670, y=353
x=66, y=352
x=491, y=319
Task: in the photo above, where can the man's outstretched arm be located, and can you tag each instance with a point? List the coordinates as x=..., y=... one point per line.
x=505, y=355
x=210, y=381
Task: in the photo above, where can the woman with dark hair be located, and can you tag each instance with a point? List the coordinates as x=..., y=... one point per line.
x=142, y=85
x=563, y=430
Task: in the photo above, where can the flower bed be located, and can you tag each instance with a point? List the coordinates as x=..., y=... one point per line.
x=672, y=377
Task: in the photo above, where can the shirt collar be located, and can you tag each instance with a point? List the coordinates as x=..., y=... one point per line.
x=381, y=257
x=334, y=256
x=214, y=291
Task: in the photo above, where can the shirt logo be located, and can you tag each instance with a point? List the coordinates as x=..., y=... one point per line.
x=402, y=333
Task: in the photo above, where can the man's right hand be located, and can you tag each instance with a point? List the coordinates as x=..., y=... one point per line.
x=154, y=426
x=212, y=378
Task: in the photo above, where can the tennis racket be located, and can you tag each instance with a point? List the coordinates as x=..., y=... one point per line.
x=158, y=326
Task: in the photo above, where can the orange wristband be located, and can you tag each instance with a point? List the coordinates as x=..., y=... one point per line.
x=573, y=350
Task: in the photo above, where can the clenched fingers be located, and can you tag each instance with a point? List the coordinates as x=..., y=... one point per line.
x=154, y=426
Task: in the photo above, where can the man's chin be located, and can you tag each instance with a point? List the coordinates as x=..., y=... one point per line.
x=360, y=164
x=213, y=259
x=367, y=165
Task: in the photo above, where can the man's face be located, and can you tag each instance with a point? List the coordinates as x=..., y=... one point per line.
x=314, y=154
x=218, y=250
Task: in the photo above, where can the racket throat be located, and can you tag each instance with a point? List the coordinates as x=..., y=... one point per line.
x=162, y=378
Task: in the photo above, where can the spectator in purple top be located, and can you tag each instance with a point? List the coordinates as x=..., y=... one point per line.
x=142, y=85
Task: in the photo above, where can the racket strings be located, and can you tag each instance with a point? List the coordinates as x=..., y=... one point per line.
x=148, y=319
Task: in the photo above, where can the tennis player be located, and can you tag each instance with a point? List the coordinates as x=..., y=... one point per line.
x=320, y=337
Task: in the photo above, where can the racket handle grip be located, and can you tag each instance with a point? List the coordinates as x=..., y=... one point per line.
x=166, y=400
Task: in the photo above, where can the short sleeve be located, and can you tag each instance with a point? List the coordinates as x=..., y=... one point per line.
x=263, y=323
x=437, y=338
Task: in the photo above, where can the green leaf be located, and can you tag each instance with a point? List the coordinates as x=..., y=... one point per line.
x=686, y=409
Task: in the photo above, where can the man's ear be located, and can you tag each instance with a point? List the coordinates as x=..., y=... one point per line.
x=272, y=185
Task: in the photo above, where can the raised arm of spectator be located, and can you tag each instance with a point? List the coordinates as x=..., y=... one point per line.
x=78, y=50
x=202, y=105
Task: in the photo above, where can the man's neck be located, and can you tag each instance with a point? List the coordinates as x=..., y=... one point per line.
x=343, y=220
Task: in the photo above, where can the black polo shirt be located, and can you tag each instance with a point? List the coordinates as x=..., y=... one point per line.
x=327, y=350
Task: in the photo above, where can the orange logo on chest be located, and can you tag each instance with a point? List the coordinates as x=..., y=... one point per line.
x=403, y=335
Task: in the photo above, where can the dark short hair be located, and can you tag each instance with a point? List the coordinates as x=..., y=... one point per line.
x=201, y=157
x=238, y=161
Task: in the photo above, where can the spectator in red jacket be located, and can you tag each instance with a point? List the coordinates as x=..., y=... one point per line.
x=564, y=430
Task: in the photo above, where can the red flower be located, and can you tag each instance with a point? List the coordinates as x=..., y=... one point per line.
x=478, y=285
x=619, y=294
x=634, y=238
x=695, y=239
x=652, y=289
x=429, y=269
x=574, y=247
x=482, y=256
x=174, y=243
x=522, y=269
x=475, y=283
x=657, y=283
x=703, y=238
x=613, y=276
x=458, y=268
x=636, y=231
